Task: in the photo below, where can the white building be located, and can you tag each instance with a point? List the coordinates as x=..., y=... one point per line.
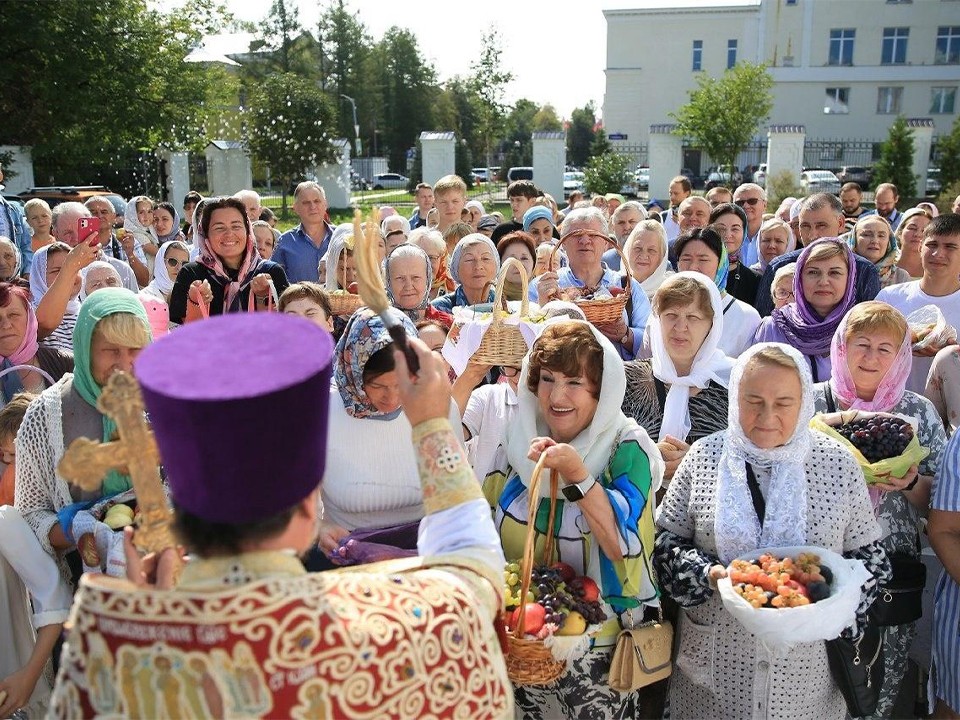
x=844, y=69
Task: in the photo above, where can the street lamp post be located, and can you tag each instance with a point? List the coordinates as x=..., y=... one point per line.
x=356, y=125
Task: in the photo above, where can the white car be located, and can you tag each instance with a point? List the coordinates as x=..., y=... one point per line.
x=389, y=181
x=572, y=182
x=643, y=177
x=818, y=181
x=760, y=176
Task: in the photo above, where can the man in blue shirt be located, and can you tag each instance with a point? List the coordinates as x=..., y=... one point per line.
x=424, y=203
x=886, y=197
x=299, y=250
x=13, y=225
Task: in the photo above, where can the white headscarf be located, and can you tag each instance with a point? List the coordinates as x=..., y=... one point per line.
x=595, y=443
x=145, y=234
x=710, y=363
x=96, y=265
x=736, y=528
x=664, y=269
x=338, y=241
x=161, y=286
x=38, y=281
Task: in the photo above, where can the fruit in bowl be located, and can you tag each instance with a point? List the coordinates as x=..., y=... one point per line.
x=771, y=582
x=558, y=601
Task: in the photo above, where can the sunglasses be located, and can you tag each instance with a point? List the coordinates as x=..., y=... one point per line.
x=173, y=262
x=746, y=201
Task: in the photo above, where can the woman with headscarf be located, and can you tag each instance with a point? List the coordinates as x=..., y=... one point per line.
x=776, y=239
x=474, y=265
x=647, y=253
x=872, y=239
x=824, y=289
x=19, y=347
x=228, y=270
x=871, y=360
x=56, y=272
x=811, y=492
x=166, y=224
x=363, y=489
x=171, y=258
x=98, y=275
x=138, y=221
x=702, y=250
x=731, y=222
x=909, y=237
x=408, y=271
x=111, y=330
x=431, y=242
x=680, y=395
x=569, y=397
x=10, y=262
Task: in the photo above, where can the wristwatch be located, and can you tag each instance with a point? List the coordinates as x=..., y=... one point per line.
x=626, y=337
x=576, y=493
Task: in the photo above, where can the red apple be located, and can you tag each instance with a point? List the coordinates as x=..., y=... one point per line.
x=799, y=587
x=591, y=591
x=567, y=573
x=353, y=288
x=532, y=619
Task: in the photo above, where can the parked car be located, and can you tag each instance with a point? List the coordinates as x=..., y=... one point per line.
x=481, y=175
x=389, y=181
x=643, y=177
x=729, y=177
x=519, y=173
x=358, y=182
x=933, y=181
x=572, y=182
x=760, y=175
x=695, y=180
x=855, y=173
x=817, y=181
x=629, y=188
x=56, y=194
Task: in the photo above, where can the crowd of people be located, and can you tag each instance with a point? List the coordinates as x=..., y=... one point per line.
x=740, y=323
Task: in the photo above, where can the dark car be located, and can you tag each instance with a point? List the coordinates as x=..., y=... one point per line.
x=54, y=195
x=855, y=173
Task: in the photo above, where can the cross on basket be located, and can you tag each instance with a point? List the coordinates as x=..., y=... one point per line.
x=86, y=461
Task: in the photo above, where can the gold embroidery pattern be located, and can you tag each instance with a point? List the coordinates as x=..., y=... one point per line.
x=447, y=477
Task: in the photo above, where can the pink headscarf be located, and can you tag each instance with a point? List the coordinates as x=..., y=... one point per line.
x=251, y=262
x=28, y=346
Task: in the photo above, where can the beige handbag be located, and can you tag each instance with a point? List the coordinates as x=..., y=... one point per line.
x=642, y=656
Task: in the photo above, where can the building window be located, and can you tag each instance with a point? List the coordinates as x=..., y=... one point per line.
x=943, y=100
x=841, y=46
x=837, y=101
x=731, y=53
x=697, y=55
x=791, y=2
x=894, y=46
x=948, y=45
x=888, y=100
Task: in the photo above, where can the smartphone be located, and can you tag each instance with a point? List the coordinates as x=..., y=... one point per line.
x=88, y=228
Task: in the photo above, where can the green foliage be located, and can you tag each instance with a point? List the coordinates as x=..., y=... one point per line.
x=283, y=25
x=948, y=149
x=416, y=170
x=519, y=128
x=463, y=162
x=290, y=125
x=600, y=145
x=896, y=159
x=724, y=114
x=487, y=82
x=547, y=120
x=947, y=195
x=606, y=173
x=6, y=161
x=580, y=134
x=780, y=185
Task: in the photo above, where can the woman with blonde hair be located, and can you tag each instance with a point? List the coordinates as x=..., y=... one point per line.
x=648, y=255
x=873, y=239
x=909, y=236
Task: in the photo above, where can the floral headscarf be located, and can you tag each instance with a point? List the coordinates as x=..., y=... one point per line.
x=248, y=268
x=887, y=265
x=364, y=335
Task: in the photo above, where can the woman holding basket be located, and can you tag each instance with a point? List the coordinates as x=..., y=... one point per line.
x=569, y=398
x=871, y=360
x=812, y=493
x=585, y=235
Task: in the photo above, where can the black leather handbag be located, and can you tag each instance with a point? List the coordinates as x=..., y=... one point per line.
x=901, y=600
x=857, y=668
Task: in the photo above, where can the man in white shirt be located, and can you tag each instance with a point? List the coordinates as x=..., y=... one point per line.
x=939, y=286
x=680, y=190
x=753, y=199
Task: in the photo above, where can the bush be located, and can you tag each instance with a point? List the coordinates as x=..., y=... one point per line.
x=606, y=173
x=896, y=160
x=780, y=185
x=946, y=197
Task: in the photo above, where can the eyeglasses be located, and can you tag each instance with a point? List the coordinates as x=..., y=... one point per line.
x=746, y=201
x=783, y=294
x=509, y=371
x=173, y=262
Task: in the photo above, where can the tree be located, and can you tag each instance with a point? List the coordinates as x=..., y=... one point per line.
x=896, y=159
x=547, y=120
x=948, y=149
x=488, y=81
x=724, y=114
x=290, y=126
x=456, y=109
x=606, y=173
x=600, y=144
x=519, y=129
x=282, y=25
x=580, y=134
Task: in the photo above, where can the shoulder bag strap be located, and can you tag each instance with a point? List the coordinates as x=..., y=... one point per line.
x=759, y=504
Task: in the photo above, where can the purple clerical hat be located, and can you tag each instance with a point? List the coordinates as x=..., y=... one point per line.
x=238, y=404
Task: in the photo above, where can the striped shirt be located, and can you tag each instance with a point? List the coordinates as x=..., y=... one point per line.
x=946, y=611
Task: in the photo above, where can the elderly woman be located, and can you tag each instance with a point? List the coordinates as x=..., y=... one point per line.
x=648, y=255
x=587, y=237
x=520, y=246
x=569, y=408
x=680, y=395
x=702, y=250
x=731, y=222
x=873, y=240
x=776, y=239
x=266, y=237
x=909, y=237
x=111, y=330
x=781, y=289
x=944, y=533
x=229, y=269
x=474, y=264
x=10, y=261
x=408, y=272
x=19, y=347
x=871, y=360
x=431, y=242
x=363, y=489
x=811, y=492
x=824, y=290
x=97, y=276
x=395, y=230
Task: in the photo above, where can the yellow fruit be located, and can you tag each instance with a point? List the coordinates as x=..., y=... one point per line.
x=120, y=510
x=573, y=624
x=117, y=521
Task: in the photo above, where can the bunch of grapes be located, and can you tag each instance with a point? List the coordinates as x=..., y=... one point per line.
x=511, y=586
x=878, y=438
x=781, y=583
x=591, y=611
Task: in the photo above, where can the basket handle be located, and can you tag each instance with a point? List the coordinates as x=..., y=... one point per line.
x=526, y=562
x=498, y=292
x=624, y=265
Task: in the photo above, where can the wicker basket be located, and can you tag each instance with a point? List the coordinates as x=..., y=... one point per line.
x=601, y=311
x=344, y=304
x=529, y=661
x=503, y=343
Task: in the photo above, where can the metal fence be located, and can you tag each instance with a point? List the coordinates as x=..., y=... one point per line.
x=834, y=154
x=127, y=173
x=636, y=153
